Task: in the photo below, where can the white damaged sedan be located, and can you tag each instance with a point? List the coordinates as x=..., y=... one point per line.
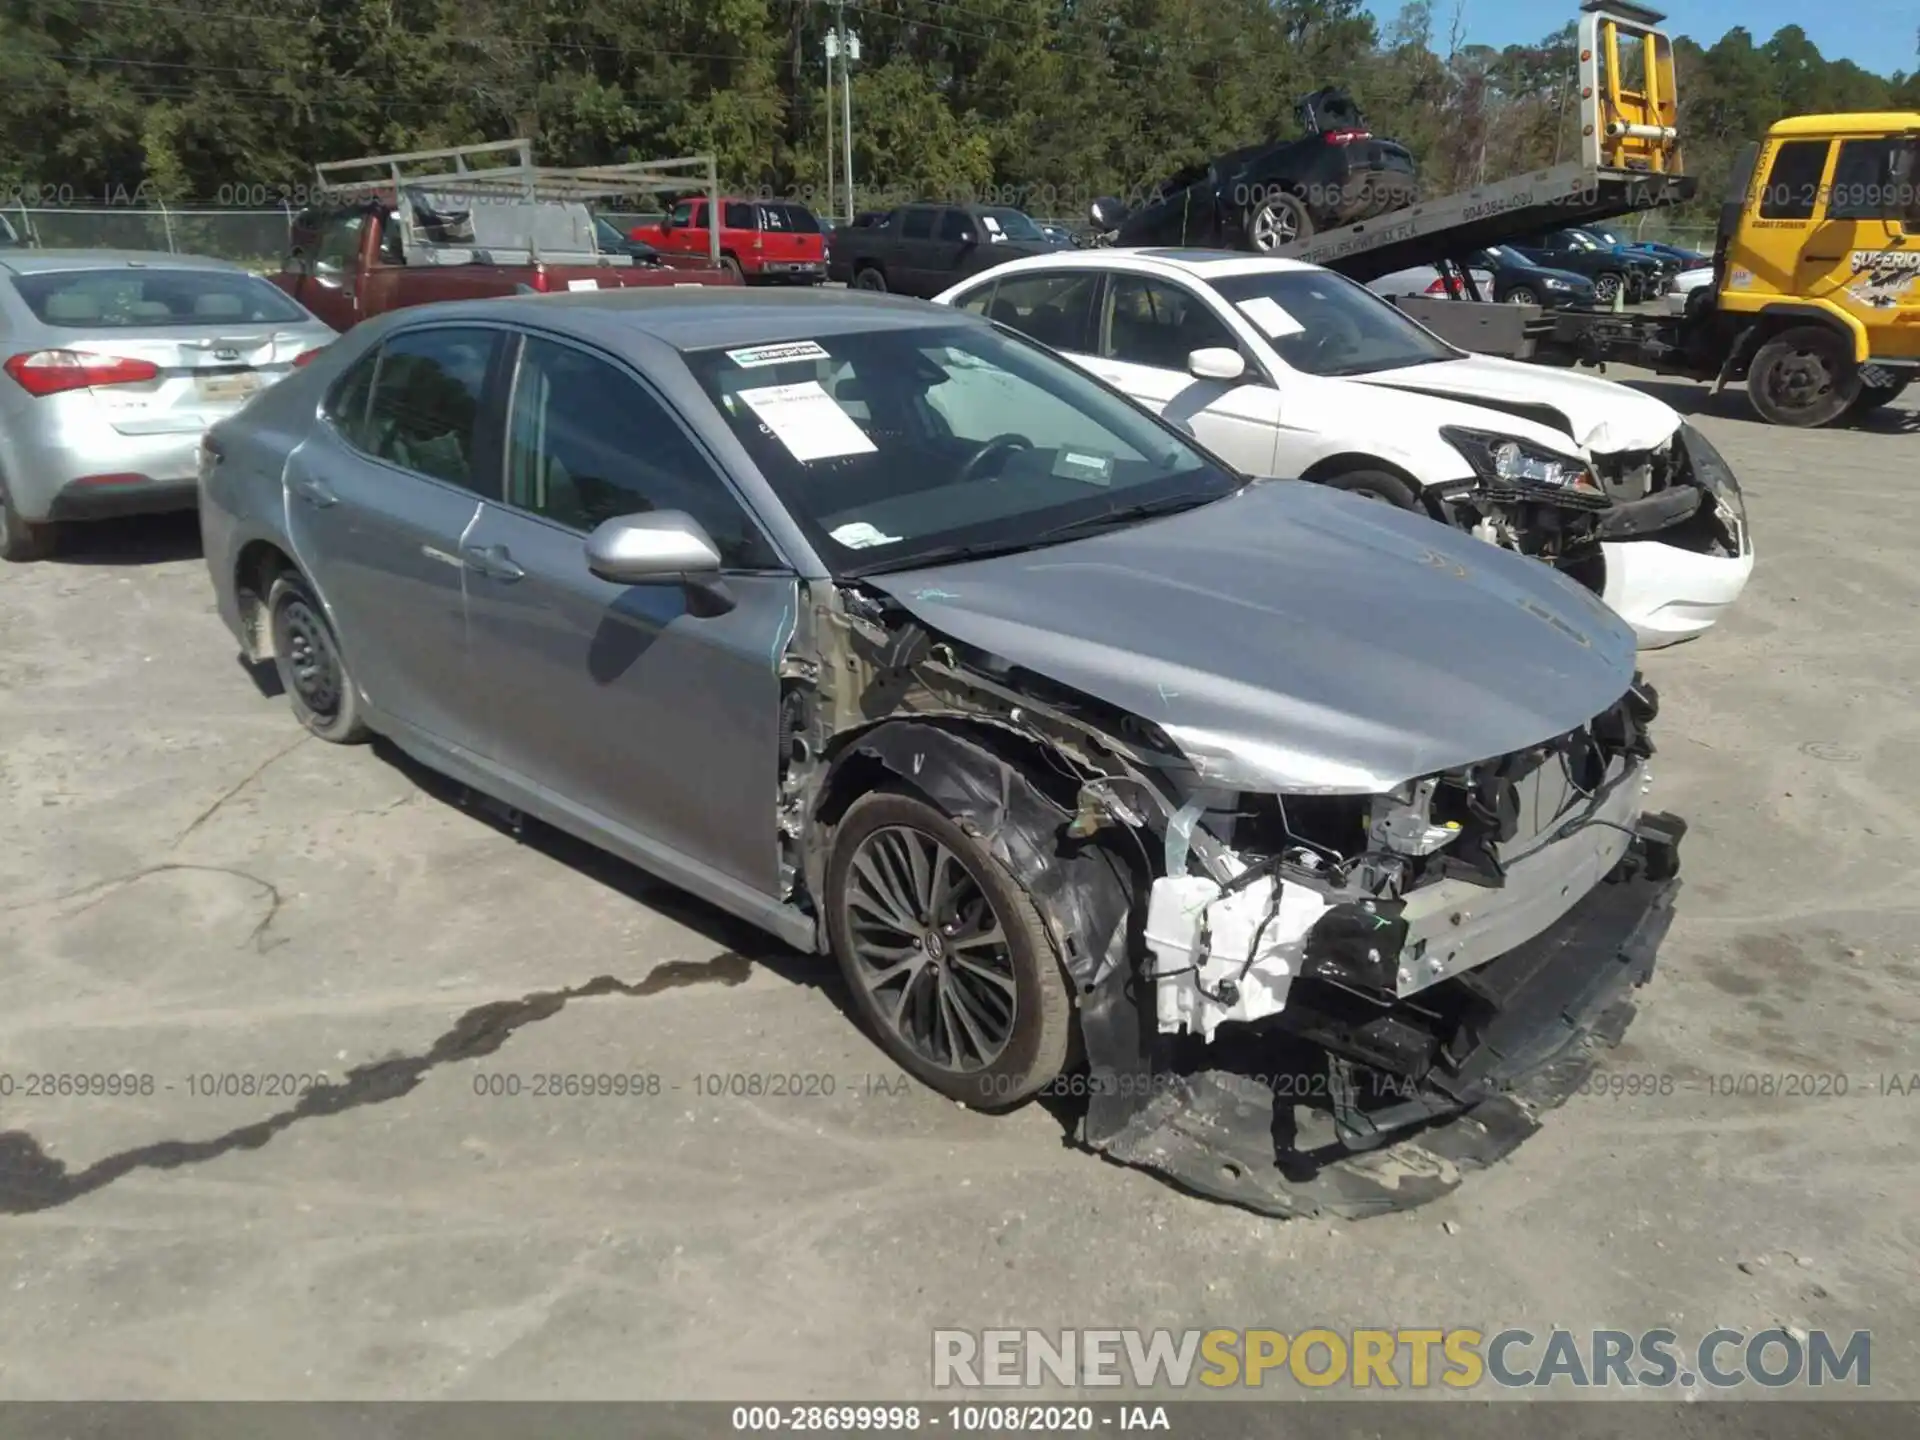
x=1283, y=368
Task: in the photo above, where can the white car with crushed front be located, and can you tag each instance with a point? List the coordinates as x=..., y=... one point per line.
x=1283, y=368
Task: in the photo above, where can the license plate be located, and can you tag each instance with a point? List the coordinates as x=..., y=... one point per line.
x=226, y=387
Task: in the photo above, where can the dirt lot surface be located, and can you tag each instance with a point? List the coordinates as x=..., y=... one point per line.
x=192, y=892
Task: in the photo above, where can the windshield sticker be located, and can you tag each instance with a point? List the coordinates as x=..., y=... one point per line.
x=1274, y=322
x=808, y=421
x=1081, y=465
x=991, y=223
x=583, y=284
x=759, y=355
x=860, y=535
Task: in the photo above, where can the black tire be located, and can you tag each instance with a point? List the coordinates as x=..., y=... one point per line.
x=1607, y=284
x=1016, y=987
x=1522, y=295
x=312, y=671
x=870, y=277
x=732, y=267
x=1376, y=485
x=1277, y=220
x=1875, y=397
x=1803, y=377
x=22, y=540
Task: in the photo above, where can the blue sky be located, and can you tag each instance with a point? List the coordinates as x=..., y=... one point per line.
x=1875, y=34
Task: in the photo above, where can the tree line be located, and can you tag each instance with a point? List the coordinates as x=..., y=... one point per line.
x=1050, y=102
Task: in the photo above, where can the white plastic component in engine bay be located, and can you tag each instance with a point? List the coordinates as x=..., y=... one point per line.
x=1181, y=908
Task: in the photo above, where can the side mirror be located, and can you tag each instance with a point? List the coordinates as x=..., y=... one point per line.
x=1106, y=213
x=653, y=548
x=1216, y=362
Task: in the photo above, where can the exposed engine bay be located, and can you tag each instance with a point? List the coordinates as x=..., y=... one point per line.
x=1209, y=920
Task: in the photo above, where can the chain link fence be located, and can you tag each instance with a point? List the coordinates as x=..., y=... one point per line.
x=254, y=238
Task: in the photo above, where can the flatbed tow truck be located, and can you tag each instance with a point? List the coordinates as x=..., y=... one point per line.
x=1815, y=301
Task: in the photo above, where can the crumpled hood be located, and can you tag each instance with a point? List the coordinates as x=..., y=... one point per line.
x=1294, y=638
x=1602, y=417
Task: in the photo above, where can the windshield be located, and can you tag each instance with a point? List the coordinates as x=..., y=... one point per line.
x=1324, y=324
x=607, y=236
x=1011, y=224
x=897, y=447
x=1605, y=236
x=135, y=299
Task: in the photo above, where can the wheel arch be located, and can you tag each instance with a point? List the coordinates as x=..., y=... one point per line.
x=1330, y=466
x=255, y=567
x=1764, y=324
x=999, y=787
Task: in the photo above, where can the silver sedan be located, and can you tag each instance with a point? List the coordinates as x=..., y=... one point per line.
x=115, y=364
x=906, y=640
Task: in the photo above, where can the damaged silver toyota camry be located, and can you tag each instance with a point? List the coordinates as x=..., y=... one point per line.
x=1303, y=837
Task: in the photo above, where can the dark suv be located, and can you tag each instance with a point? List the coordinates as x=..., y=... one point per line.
x=1264, y=197
x=1612, y=270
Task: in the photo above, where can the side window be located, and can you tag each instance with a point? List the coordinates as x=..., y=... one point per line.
x=1153, y=323
x=1864, y=187
x=585, y=443
x=740, y=216
x=916, y=225
x=425, y=411
x=980, y=302
x=346, y=407
x=682, y=214
x=1055, y=309
x=392, y=251
x=954, y=225
x=1793, y=183
x=338, y=250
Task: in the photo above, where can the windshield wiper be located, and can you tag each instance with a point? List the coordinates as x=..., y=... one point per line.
x=1126, y=514
x=949, y=554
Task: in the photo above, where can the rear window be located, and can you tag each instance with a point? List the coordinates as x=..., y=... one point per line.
x=134, y=299
x=795, y=219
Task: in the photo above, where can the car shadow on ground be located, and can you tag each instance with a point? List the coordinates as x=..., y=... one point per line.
x=1731, y=404
x=131, y=540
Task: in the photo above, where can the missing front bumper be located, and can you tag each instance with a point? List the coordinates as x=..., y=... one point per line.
x=1281, y=1144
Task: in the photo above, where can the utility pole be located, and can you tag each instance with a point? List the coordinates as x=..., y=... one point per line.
x=849, y=48
x=832, y=48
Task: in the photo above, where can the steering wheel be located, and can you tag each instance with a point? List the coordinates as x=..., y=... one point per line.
x=999, y=446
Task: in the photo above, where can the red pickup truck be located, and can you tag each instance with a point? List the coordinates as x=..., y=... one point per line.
x=761, y=241
x=349, y=263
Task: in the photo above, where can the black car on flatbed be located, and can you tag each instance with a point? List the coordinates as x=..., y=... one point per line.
x=1266, y=196
x=1612, y=270
x=923, y=249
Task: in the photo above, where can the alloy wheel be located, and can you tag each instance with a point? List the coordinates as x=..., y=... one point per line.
x=1273, y=227
x=929, y=949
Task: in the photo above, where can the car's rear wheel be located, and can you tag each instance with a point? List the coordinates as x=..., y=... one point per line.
x=1606, y=286
x=1277, y=221
x=732, y=267
x=307, y=658
x=1802, y=377
x=1521, y=295
x=948, y=961
x=870, y=278
x=22, y=540
x=1376, y=485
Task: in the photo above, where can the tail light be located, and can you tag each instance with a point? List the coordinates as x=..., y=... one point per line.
x=52, y=372
x=307, y=357
x=1347, y=137
x=541, y=284
x=1449, y=285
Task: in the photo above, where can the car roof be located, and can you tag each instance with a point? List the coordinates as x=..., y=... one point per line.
x=29, y=262
x=700, y=317
x=1190, y=262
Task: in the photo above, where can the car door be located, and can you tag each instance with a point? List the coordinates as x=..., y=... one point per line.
x=958, y=249
x=912, y=269
x=1862, y=251
x=380, y=496
x=650, y=713
x=1146, y=327
x=688, y=235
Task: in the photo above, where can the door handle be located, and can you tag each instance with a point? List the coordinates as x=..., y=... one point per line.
x=315, y=492
x=493, y=561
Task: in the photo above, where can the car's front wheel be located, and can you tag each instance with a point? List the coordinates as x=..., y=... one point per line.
x=1607, y=286
x=870, y=277
x=948, y=961
x=1521, y=295
x=307, y=658
x=1376, y=485
x=1803, y=377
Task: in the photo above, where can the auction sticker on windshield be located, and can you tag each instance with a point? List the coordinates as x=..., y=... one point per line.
x=859, y=535
x=1079, y=465
x=1274, y=322
x=808, y=421
x=756, y=356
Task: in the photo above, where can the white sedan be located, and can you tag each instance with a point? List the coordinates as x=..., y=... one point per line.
x=1283, y=368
